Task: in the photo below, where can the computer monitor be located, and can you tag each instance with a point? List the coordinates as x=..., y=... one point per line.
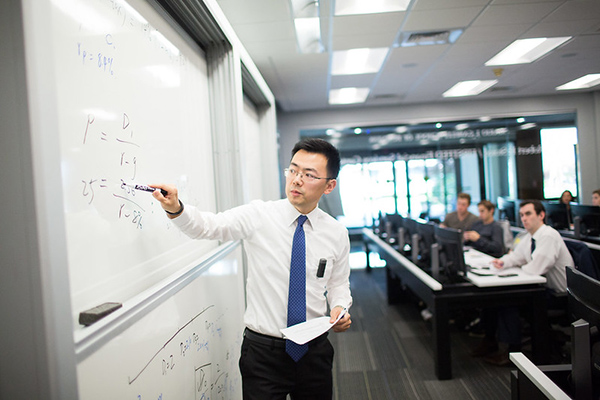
x=410, y=230
x=426, y=231
x=586, y=220
x=395, y=220
x=584, y=304
x=450, y=252
x=391, y=224
x=557, y=215
x=507, y=210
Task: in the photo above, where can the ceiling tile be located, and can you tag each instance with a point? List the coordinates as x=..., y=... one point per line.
x=370, y=24
x=420, y=74
x=251, y=11
x=440, y=19
x=266, y=32
x=494, y=33
x=576, y=11
x=515, y=13
x=445, y=4
x=359, y=81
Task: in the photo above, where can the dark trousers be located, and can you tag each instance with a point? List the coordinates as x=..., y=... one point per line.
x=269, y=373
x=503, y=323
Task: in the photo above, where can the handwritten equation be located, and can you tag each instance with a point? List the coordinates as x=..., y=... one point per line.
x=211, y=380
x=99, y=57
x=125, y=159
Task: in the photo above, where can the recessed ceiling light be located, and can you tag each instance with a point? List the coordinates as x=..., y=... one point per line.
x=528, y=126
x=520, y=120
x=348, y=95
x=524, y=51
x=469, y=88
x=308, y=35
x=353, y=7
x=307, y=25
x=358, y=61
x=305, y=8
x=584, y=82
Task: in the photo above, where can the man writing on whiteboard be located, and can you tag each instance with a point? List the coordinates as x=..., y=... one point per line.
x=297, y=267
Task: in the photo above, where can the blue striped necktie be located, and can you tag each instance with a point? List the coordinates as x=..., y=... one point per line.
x=297, y=289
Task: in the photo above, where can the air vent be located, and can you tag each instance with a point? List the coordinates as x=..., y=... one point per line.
x=409, y=39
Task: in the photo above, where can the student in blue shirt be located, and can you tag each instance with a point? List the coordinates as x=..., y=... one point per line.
x=486, y=235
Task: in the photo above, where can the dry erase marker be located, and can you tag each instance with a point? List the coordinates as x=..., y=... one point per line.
x=145, y=188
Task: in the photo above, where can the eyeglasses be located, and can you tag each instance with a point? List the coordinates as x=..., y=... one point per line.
x=305, y=176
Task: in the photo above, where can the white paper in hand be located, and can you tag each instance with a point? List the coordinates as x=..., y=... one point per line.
x=306, y=331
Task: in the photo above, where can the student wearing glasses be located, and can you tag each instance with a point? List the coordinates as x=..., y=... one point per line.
x=280, y=237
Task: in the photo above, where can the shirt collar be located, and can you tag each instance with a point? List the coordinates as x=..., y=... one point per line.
x=537, y=233
x=291, y=215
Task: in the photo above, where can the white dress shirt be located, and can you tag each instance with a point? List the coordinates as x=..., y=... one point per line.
x=550, y=257
x=267, y=229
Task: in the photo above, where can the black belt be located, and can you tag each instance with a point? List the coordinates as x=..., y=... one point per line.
x=274, y=341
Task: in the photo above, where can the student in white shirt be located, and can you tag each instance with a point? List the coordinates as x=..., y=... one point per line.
x=267, y=229
x=541, y=251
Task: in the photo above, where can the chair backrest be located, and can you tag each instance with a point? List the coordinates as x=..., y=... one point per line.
x=508, y=236
x=583, y=258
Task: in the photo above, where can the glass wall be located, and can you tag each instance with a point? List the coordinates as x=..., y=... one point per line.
x=418, y=169
x=424, y=188
x=559, y=161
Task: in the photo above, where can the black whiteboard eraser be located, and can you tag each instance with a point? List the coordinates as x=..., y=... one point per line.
x=94, y=314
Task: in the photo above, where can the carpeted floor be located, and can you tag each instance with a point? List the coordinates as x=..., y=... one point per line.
x=388, y=353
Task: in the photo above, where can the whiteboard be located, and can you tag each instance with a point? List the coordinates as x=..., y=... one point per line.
x=132, y=106
x=186, y=348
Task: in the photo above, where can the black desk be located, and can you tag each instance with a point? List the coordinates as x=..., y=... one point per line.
x=442, y=299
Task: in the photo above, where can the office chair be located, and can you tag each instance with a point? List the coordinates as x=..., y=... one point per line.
x=583, y=258
x=584, y=263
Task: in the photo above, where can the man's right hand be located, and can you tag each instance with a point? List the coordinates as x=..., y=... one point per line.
x=499, y=264
x=169, y=202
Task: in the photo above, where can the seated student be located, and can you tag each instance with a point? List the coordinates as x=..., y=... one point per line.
x=596, y=197
x=486, y=235
x=566, y=198
x=462, y=218
x=541, y=251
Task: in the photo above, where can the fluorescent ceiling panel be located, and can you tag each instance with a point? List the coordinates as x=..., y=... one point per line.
x=469, y=88
x=308, y=35
x=354, y=7
x=358, y=61
x=305, y=8
x=349, y=95
x=585, y=82
x=524, y=51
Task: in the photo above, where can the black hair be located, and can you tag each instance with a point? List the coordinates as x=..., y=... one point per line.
x=321, y=146
x=537, y=206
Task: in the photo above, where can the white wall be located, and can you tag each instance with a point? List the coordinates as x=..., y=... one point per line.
x=586, y=105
